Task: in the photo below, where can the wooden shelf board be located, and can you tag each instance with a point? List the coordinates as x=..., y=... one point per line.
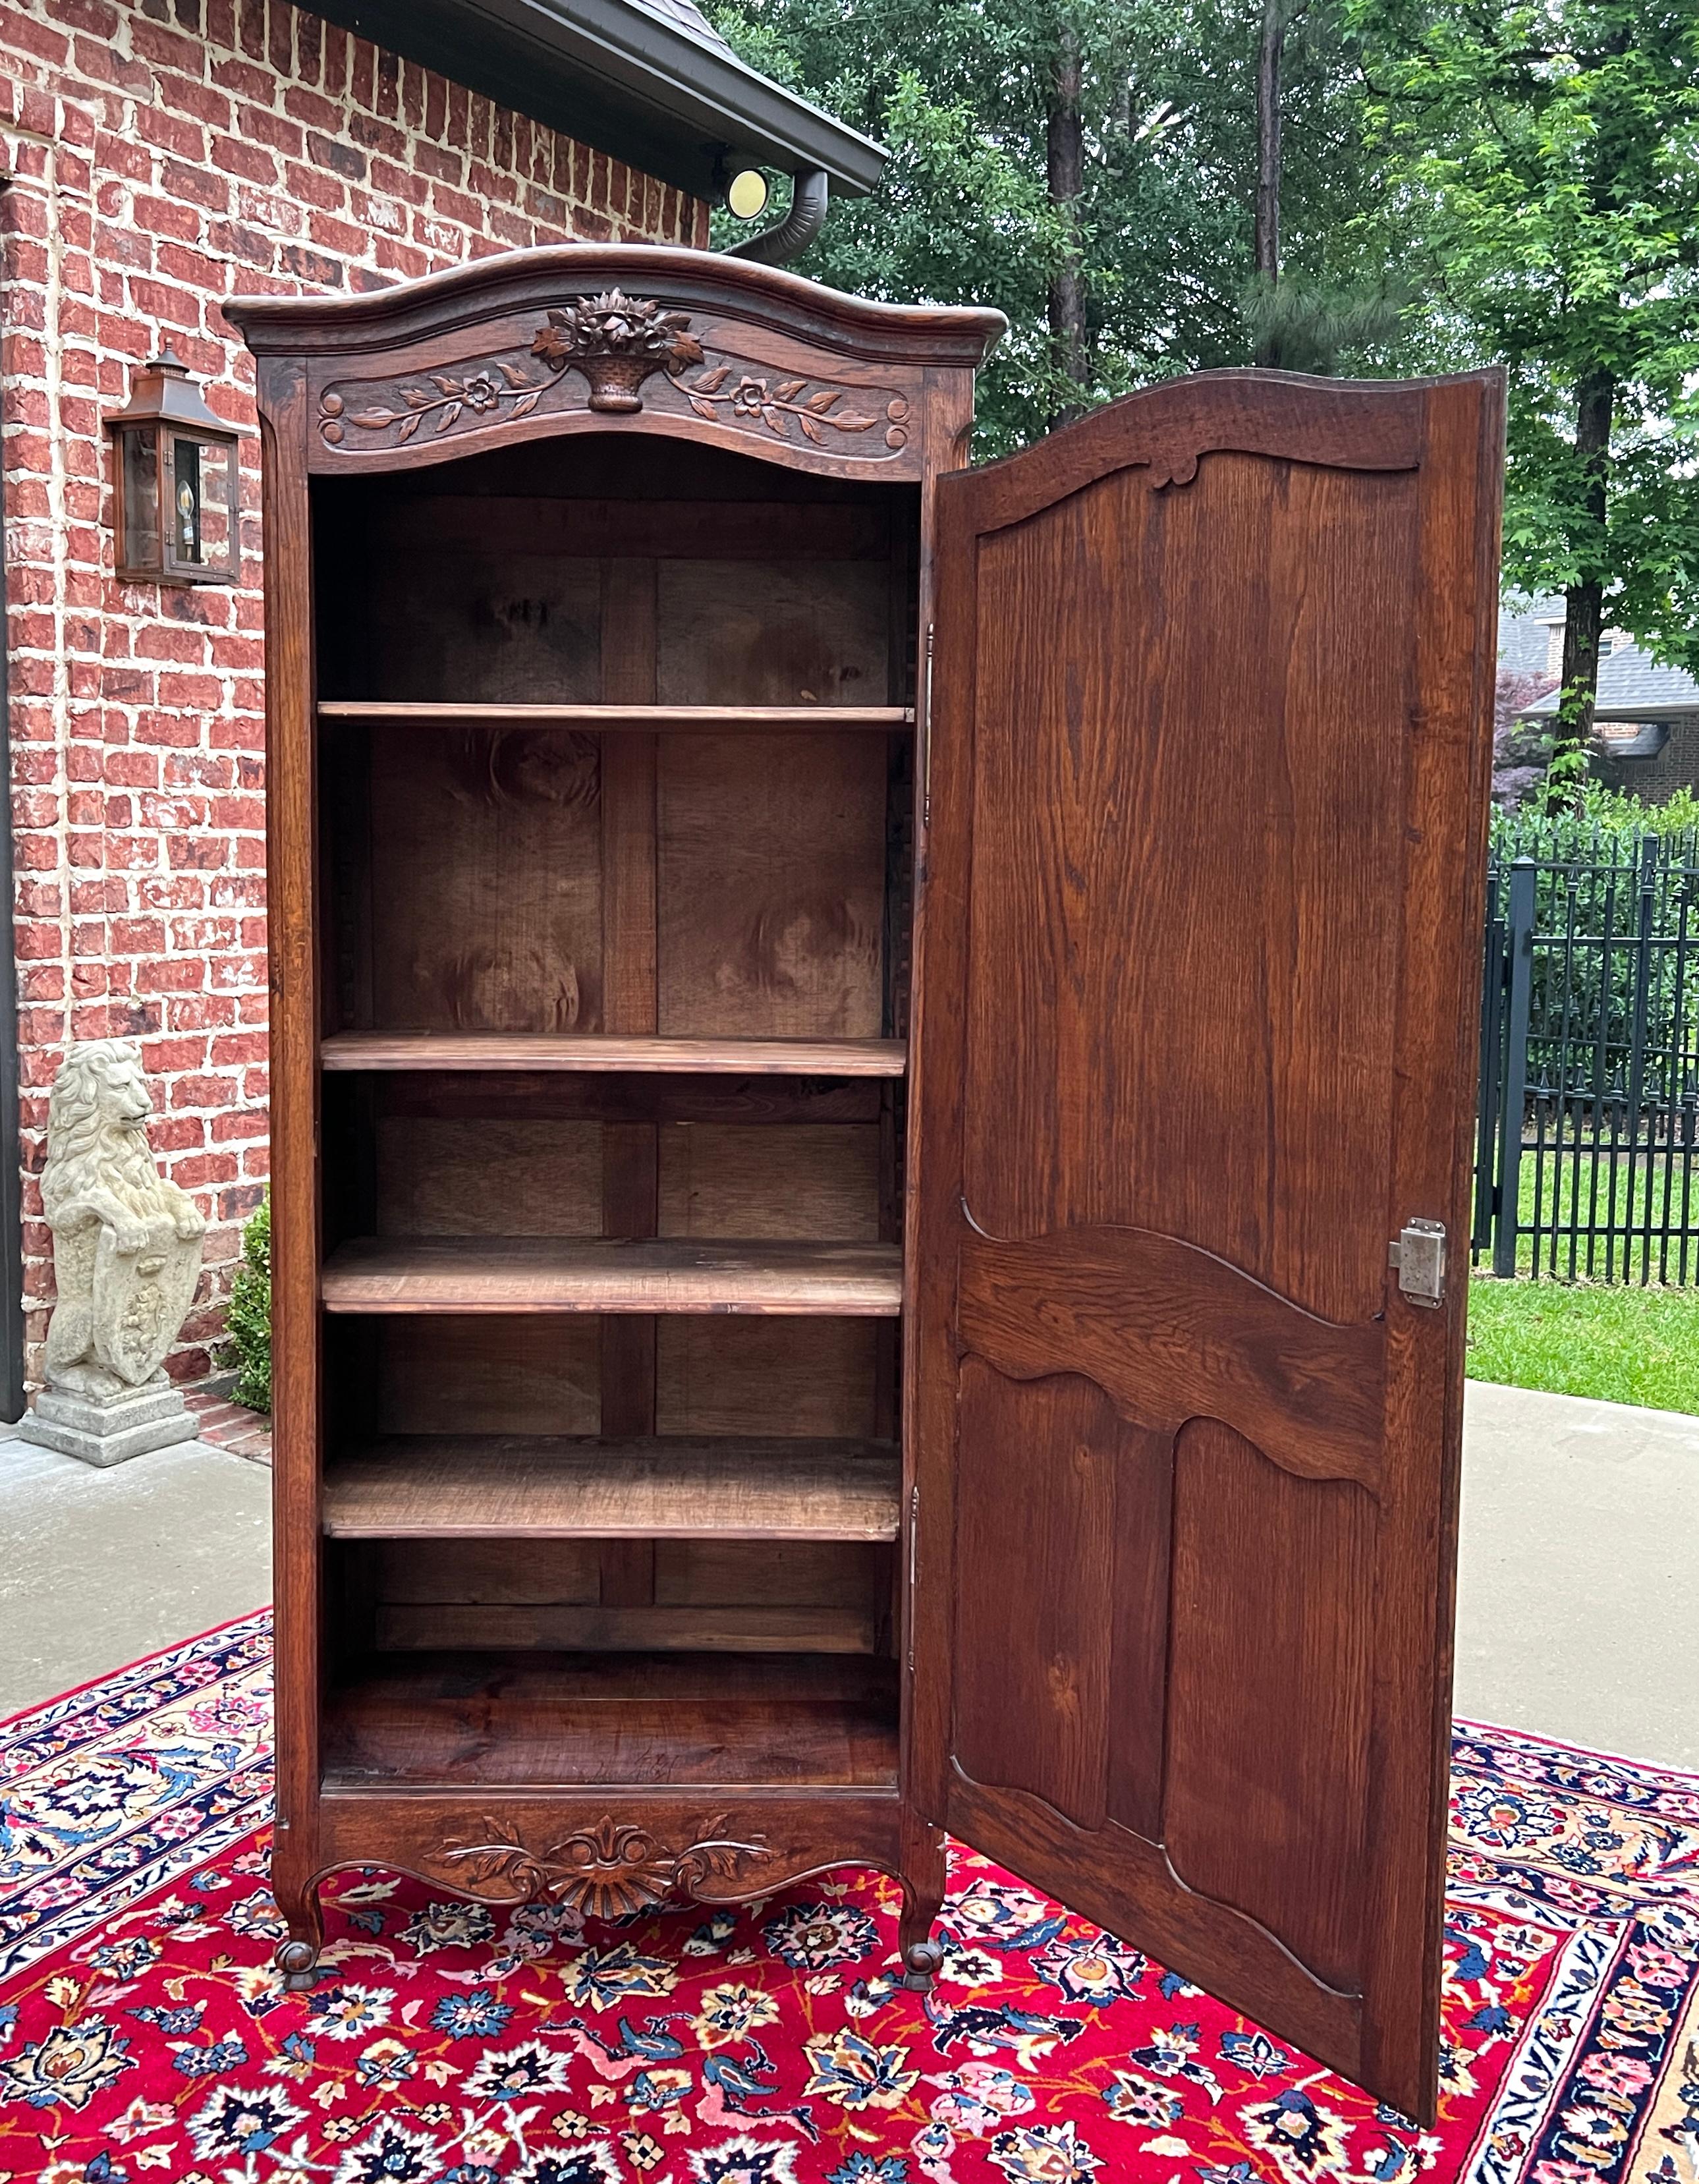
x=501, y=1050
x=507, y=1274
x=480, y=1487
x=586, y=1627
x=717, y=720
x=554, y=1720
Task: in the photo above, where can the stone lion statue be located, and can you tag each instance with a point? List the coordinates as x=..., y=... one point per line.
x=126, y=1243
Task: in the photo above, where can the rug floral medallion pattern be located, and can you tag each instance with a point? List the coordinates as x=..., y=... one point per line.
x=143, y=2034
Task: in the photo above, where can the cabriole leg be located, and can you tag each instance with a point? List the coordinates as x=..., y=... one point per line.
x=298, y=1958
x=924, y=1877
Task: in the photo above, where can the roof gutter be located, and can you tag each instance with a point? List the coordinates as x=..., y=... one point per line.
x=625, y=78
x=789, y=237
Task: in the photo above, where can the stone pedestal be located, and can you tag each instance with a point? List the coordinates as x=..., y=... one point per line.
x=104, y=1429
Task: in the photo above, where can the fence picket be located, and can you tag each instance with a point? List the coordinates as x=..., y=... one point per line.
x=1589, y=1101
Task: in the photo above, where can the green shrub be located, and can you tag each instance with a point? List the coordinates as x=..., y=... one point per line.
x=247, y=1323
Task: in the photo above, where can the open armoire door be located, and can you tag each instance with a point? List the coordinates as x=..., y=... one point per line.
x=1207, y=770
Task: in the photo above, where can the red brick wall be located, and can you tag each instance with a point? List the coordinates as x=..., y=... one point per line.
x=1657, y=779
x=165, y=153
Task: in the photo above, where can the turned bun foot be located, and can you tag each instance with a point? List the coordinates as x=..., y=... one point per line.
x=921, y=1964
x=298, y=1962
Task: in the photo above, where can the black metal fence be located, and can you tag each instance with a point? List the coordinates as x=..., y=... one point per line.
x=1587, y=1148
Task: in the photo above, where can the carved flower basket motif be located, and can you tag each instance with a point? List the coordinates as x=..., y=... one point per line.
x=617, y=341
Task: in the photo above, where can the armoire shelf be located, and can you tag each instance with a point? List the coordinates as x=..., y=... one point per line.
x=611, y=1274
x=513, y=1719
x=542, y=1487
x=476, y=1627
x=647, y=719
x=591, y=1051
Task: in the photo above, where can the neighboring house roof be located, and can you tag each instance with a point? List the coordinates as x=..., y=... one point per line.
x=1632, y=685
x=1522, y=624
x=650, y=82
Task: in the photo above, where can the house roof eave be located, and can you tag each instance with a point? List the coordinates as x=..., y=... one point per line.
x=626, y=77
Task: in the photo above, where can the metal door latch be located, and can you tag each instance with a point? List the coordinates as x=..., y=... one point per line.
x=1418, y=1252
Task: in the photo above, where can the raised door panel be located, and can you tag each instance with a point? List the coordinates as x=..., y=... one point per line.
x=1210, y=746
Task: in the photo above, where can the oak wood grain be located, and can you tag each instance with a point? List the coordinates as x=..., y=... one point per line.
x=507, y=1487
x=485, y=1176
x=615, y=1717
x=294, y=937
x=522, y=1375
x=1170, y=1331
x=606, y=1054
x=771, y=886
x=1228, y=1670
x=629, y=1150
x=625, y=1626
x=641, y=1096
x=533, y=1273
x=486, y=881
x=1184, y=950
x=638, y=720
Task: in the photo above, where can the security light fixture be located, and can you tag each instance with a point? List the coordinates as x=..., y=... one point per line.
x=746, y=194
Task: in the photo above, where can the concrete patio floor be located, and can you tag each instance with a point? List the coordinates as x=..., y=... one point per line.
x=97, y=1567
x=1580, y=1522
x=1579, y=1572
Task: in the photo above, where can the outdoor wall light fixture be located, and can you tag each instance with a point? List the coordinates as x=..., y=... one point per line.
x=746, y=194
x=176, y=481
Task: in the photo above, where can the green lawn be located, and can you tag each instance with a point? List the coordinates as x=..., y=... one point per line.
x=1623, y=1344
x=1583, y=1191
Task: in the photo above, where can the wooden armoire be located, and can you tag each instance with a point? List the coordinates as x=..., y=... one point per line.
x=873, y=1065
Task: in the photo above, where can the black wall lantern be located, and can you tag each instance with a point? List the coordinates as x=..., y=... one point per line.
x=176, y=481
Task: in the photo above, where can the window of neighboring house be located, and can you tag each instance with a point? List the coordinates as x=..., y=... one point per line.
x=1609, y=641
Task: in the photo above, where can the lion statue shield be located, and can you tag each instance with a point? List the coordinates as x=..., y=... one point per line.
x=126, y=1243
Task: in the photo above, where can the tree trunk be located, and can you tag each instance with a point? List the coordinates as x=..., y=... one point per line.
x=1267, y=238
x=1065, y=174
x=1584, y=603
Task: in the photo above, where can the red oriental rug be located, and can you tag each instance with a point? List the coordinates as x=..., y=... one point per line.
x=143, y=2034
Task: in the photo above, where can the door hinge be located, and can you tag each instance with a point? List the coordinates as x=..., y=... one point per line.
x=914, y=1558
x=926, y=736
x=1418, y=1252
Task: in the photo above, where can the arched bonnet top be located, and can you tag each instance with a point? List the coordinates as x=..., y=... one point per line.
x=588, y=336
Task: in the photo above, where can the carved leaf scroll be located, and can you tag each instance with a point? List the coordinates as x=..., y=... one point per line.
x=615, y=343
x=755, y=401
x=608, y=1870
x=447, y=397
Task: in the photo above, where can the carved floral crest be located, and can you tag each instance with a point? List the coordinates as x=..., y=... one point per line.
x=617, y=341
x=607, y=1870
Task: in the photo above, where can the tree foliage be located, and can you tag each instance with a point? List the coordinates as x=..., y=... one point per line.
x=1553, y=151
x=959, y=91
x=247, y=1319
x=1461, y=181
